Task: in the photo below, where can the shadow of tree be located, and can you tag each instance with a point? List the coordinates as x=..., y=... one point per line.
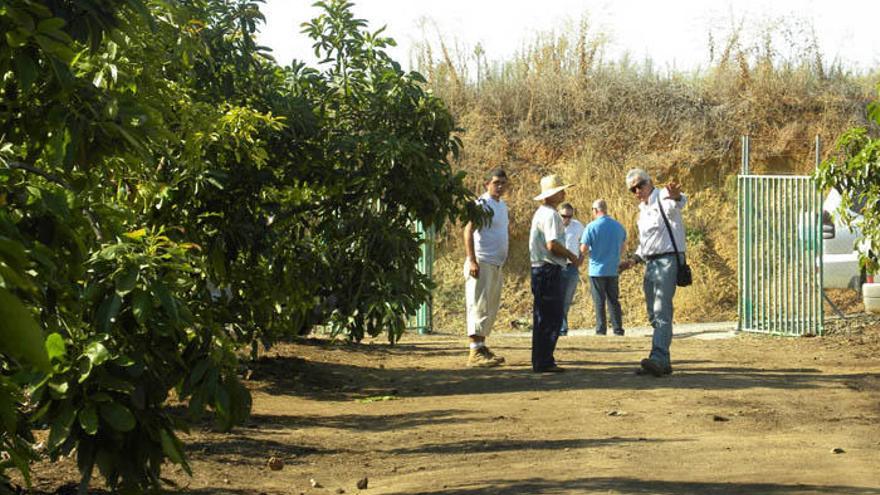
x=633, y=486
x=365, y=422
x=489, y=446
x=341, y=382
x=244, y=449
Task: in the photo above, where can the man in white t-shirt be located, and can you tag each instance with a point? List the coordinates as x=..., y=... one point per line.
x=486, y=251
x=571, y=276
x=548, y=256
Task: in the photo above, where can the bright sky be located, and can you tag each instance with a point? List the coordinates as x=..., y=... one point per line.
x=673, y=33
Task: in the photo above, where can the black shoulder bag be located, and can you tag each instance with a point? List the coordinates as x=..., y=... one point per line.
x=684, y=278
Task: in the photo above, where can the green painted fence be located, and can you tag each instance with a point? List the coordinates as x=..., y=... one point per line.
x=780, y=253
x=423, y=320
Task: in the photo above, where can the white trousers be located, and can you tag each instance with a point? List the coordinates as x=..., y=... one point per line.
x=482, y=298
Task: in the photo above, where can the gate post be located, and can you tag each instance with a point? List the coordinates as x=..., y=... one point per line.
x=424, y=320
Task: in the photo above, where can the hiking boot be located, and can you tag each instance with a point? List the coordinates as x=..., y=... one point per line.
x=651, y=367
x=479, y=358
x=492, y=355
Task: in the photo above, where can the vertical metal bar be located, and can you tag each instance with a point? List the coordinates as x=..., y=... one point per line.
x=820, y=328
x=793, y=255
x=750, y=255
x=771, y=250
x=750, y=233
x=782, y=246
x=740, y=248
x=798, y=206
x=777, y=252
x=759, y=266
x=798, y=271
x=786, y=246
x=747, y=261
x=811, y=256
x=817, y=219
x=790, y=239
x=816, y=272
x=762, y=251
x=785, y=272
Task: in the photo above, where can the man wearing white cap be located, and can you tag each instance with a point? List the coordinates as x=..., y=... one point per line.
x=548, y=256
x=661, y=241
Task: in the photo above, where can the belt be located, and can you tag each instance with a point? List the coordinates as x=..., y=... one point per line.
x=652, y=257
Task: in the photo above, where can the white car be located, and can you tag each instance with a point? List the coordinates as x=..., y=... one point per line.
x=840, y=246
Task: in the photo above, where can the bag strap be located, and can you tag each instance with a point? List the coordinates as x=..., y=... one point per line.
x=669, y=229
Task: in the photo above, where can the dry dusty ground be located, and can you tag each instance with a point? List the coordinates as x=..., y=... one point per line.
x=746, y=415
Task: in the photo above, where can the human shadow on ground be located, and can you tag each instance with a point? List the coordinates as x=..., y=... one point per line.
x=345, y=382
x=634, y=486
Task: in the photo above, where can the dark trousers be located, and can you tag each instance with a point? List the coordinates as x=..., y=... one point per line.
x=547, y=314
x=606, y=289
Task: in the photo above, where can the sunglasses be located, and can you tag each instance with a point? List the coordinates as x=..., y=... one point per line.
x=637, y=186
x=565, y=216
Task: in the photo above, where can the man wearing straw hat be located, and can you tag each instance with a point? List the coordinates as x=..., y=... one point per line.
x=659, y=247
x=548, y=256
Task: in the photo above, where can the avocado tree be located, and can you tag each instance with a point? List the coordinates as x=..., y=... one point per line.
x=171, y=195
x=856, y=170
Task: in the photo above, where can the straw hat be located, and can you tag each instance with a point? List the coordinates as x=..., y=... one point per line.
x=550, y=185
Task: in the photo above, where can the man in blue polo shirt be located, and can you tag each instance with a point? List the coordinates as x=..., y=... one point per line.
x=603, y=240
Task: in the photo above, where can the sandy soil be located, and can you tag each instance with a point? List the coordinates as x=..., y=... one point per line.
x=746, y=415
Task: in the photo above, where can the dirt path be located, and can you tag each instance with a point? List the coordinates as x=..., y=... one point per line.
x=747, y=415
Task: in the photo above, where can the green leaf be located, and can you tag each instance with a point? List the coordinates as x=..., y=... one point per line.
x=55, y=346
x=55, y=48
x=60, y=429
x=59, y=384
x=88, y=419
x=13, y=253
x=136, y=234
x=141, y=306
x=107, y=381
x=97, y=353
x=126, y=280
x=117, y=416
x=172, y=447
x=85, y=370
x=17, y=38
x=168, y=302
x=20, y=336
x=221, y=401
x=107, y=312
x=50, y=25
x=12, y=279
x=26, y=70
x=20, y=17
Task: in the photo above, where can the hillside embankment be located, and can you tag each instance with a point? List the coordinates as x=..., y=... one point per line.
x=557, y=107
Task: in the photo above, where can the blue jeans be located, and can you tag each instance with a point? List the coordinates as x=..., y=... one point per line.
x=546, y=315
x=606, y=289
x=570, y=280
x=659, y=286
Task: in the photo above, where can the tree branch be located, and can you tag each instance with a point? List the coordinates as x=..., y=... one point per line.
x=42, y=173
x=93, y=222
